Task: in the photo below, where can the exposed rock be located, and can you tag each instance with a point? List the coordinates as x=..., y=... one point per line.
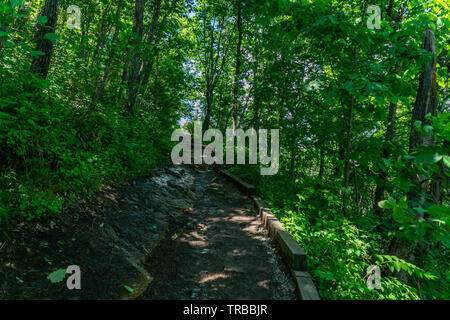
x=110, y=239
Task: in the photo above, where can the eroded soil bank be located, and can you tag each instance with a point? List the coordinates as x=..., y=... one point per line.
x=184, y=233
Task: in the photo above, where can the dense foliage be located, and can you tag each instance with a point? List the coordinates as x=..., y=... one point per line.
x=363, y=115
x=59, y=138
x=344, y=96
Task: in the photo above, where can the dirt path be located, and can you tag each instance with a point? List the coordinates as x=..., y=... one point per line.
x=218, y=250
x=178, y=234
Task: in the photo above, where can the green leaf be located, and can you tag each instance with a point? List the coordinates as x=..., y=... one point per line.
x=42, y=19
x=386, y=162
x=446, y=161
x=52, y=37
x=129, y=289
x=400, y=215
x=439, y=211
x=15, y=3
x=57, y=276
x=418, y=125
x=402, y=203
x=37, y=53
x=30, y=121
x=427, y=129
x=9, y=44
x=387, y=204
x=429, y=156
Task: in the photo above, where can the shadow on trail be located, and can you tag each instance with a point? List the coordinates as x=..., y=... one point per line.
x=219, y=250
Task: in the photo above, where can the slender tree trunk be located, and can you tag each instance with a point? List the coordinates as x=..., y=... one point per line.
x=133, y=83
x=148, y=63
x=348, y=151
x=321, y=164
x=256, y=97
x=340, y=155
x=41, y=64
x=19, y=23
x=85, y=28
x=238, y=64
x=101, y=86
x=426, y=102
x=4, y=28
x=213, y=67
x=226, y=120
x=357, y=197
x=445, y=97
x=348, y=148
x=103, y=29
x=209, y=101
x=293, y=158
x=386, y=152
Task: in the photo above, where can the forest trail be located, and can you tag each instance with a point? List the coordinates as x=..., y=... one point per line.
x=182, y=233
x=218, y=250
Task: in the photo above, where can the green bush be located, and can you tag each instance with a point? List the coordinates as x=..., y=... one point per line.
x=51, y=152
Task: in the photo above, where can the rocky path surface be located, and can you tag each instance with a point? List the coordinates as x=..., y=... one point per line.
x=219, y=250
x=183, y=233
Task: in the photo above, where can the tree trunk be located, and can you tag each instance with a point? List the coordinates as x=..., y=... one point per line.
x=148, y=63
x=101, y=86
x=4, y=28
x=427, y=99
x=321, y=164
x=426, y=102
x=348, y=151
x=103, y=30
x=349, y=123
x=293, y=158
x=209, y=98
x=386, y=152
x=238, y=65
x=337, y=172
x=213, y=66
x=133, y=83
x=41, y=64
x=445, y=97
x=379, y=191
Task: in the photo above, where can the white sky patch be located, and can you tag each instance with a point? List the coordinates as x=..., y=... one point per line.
x=182, y=122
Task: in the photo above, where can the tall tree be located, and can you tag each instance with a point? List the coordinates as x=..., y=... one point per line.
x=133, y=78
x=214, y=44
x=4, y=26
x=238, y=63
x=426, y=99
x=102, y=82
x=147, y=63
x=427, y=102
x=386, y=149
x=41, y=63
